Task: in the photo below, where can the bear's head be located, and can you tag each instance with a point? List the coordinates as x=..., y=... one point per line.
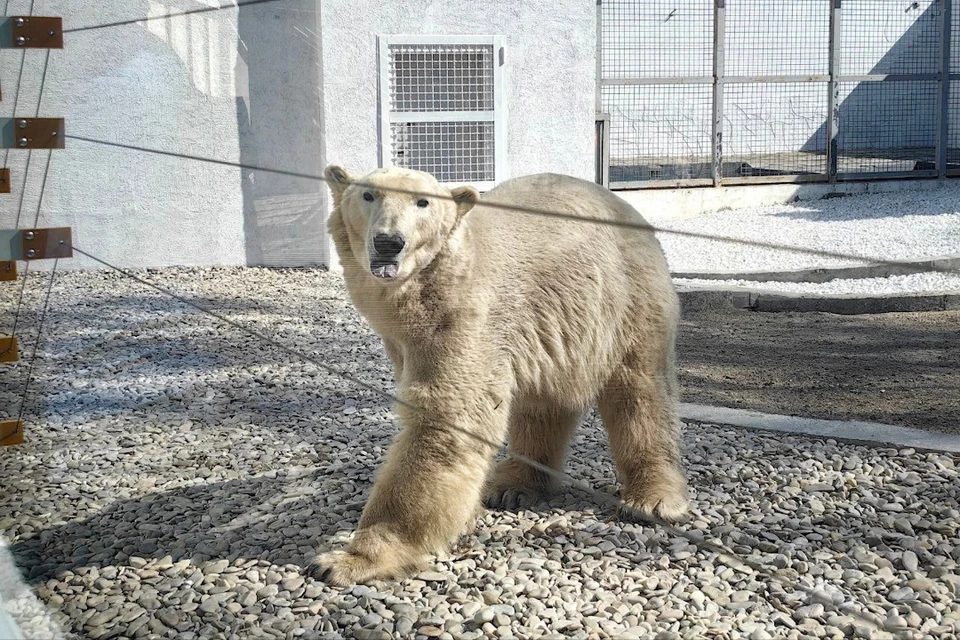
x=396, y=220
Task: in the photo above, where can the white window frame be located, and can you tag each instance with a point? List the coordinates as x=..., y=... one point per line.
x=498, y=116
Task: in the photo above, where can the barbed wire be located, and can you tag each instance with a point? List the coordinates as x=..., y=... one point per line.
x=725, y=554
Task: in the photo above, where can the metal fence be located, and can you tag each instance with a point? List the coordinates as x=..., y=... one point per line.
x=710, y=92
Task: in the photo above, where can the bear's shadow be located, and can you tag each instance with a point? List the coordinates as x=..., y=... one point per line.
x=224, y=520
x=230, y=520
x=280, y=520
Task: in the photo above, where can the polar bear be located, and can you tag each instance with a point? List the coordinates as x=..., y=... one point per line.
x=501, y=323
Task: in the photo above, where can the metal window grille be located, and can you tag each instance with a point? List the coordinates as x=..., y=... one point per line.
x=442, y=108
x=742, y=91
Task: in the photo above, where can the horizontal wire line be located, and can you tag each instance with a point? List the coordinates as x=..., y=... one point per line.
x=823, y=253
x=726, y=555
x=167, y=16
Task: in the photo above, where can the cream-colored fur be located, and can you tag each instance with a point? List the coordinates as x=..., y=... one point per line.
x=511, y=325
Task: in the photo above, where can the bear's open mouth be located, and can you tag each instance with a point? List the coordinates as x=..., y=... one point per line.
x=384, y=268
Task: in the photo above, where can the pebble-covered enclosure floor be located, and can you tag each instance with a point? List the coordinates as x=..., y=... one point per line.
x=898, y=225
x=178, y=473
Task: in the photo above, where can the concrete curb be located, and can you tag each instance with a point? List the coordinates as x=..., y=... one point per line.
x=826, y=274
x=701, y=299
x=850, y=431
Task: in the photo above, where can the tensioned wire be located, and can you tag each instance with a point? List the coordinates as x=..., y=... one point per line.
x=26, y=171
x=726, y=554
x=167, y=16
x=504, y=206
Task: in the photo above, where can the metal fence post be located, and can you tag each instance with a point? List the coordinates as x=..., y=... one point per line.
x=943, y=112
x=719, y=31
x=833, y=95
x=599, y=97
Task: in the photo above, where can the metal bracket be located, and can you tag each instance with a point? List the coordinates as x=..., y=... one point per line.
x=39, y=244
x=9, y=349
x=8, y=271
x=32, y=32
x=34, y=133
x=4, y=180
x=36, y=244
x=11, y=432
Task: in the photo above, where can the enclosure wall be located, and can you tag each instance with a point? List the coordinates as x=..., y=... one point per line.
x=239, y=85
x=550, y=81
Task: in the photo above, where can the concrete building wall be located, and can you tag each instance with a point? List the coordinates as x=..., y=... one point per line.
x=280, y=85
x=239, y=85
x=550, y=75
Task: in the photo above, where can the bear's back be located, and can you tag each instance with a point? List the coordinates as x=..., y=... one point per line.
x=513, y=238
x=566, y=294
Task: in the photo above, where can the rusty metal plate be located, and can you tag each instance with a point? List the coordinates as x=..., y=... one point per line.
x=40, y=244
x=34, y=133
x=35, y=32
x=4, y=180
x=8, y=271
x=11, y=432
x=9, y=349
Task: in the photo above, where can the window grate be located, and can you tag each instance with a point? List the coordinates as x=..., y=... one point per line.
x=441, y=78
x=441, y=107
x=451, y=151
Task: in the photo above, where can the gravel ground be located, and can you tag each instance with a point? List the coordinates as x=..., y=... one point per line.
x=900, y=225
x=178, y=473
x=893, y=368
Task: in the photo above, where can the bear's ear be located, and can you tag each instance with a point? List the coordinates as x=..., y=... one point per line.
x=338, y=179
x=465, y=198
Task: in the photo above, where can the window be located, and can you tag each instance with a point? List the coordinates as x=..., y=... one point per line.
x=441, y=107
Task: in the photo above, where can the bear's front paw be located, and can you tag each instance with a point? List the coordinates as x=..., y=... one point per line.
x=514, y=484
x=662, y=494
x=512, y=498
x=343, y=568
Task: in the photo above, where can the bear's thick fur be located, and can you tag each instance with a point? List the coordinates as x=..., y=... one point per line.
x=505, y=324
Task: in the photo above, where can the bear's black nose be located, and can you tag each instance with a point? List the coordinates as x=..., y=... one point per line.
x=388, y=246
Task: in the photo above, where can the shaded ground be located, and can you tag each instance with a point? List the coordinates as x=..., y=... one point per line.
x=895, y=368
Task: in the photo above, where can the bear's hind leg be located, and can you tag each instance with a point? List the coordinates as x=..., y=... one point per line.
x=538, y=433
x=639, y=411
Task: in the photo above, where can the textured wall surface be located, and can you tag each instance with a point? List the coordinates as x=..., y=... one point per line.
x=235, y=85
x=550, y=81
x=261, y=86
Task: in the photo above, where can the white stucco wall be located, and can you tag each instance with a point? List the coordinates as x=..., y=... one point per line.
x=263, y=85
x=550, y=83
x=235, y=85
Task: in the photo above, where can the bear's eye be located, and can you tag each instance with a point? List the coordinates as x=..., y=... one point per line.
x=422, y=202
x=368, y=196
